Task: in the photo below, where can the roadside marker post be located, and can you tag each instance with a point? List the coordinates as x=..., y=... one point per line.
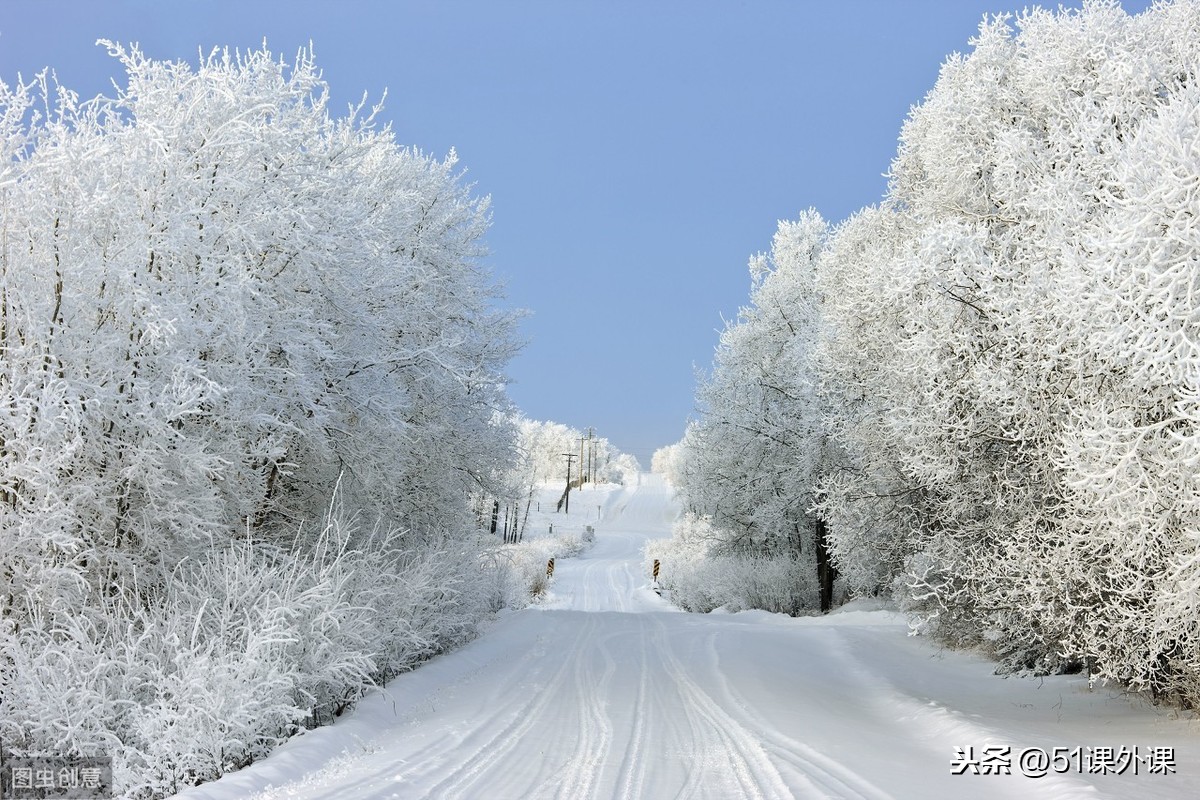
x=550, y=568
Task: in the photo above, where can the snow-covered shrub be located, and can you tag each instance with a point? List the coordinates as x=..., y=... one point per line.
x=780, y=584
x=517, y=572
x=251, y=644
x=701, y=579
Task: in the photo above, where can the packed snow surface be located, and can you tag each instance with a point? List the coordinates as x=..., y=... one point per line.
x=605, y=691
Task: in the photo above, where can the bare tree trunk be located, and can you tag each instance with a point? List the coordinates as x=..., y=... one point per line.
x=826, y=571
x=525, y=519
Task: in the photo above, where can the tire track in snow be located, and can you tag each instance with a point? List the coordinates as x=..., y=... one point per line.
x=753, y=771
x=929, y=715
x=827, y=776
x=632, y=776
x=579, y=777
x=511, y=734
x=616, y=590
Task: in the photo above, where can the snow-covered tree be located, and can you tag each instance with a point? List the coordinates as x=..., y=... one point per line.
x=1131, y=501
x=752, y=462
x=1006, y=355
x=543, y=445
x=1004, y=365
x=539, y=458
x=668, y=462
x=870, y=502
x=217, y=303
x=245, y=298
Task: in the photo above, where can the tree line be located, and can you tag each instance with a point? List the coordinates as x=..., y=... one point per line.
x=981, y=396
x=251, y=389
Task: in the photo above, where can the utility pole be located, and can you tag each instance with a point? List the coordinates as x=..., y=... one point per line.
x=581, y=462
x=567, y=495
x=591, y=448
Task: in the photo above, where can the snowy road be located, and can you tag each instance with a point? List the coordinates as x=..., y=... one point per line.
x=606, y=692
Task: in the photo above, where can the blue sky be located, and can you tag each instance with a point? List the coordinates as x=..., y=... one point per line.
x=637, y=152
